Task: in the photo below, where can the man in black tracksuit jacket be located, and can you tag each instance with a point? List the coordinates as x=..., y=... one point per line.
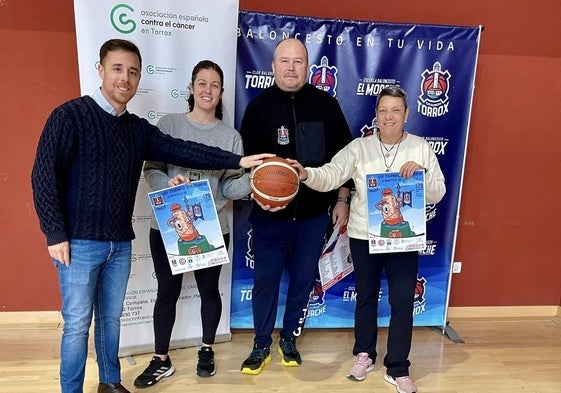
x=292, y=119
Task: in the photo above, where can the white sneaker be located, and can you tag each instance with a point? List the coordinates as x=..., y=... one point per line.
x=403, y=384
x=363, y=364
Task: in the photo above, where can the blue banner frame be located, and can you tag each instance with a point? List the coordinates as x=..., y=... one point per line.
x=354, y=60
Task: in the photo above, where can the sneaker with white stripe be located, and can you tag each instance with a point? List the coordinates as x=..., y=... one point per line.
x=156, y=370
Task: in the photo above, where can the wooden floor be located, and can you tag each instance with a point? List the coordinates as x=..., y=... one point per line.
x=498, y=356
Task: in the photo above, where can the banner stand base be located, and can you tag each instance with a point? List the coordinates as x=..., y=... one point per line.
x=448, y=332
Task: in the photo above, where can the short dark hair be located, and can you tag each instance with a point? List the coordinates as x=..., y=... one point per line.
x=118, y=44
x=207, y=65
x=393, y=91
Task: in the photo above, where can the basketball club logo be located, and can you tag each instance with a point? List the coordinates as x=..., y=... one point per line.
x=283, y=137
x=419, y=298
x=433, y=100
x=317, y=295
x=371, y=129
x=430, y=211
x=324, y=77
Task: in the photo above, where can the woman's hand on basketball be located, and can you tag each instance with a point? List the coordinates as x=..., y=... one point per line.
x=254, y=160
x=267, y=207
x=177, y=180
x=302, y=172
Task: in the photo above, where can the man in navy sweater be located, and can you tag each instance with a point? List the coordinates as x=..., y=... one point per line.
x=85, y=176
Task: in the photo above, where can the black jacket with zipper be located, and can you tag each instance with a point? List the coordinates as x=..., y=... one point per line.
x=308, y=125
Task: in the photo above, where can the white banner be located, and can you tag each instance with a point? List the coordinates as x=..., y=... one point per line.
x=173, y=36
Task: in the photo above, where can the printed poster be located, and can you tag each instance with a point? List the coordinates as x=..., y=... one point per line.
x=396, y=212
x=189, y=225
x=335, y=262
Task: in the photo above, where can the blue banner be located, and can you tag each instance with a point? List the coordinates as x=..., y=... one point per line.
x=353, y=61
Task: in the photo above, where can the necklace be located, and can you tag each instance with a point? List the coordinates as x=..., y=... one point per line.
x=387, y=153
x=388, y=150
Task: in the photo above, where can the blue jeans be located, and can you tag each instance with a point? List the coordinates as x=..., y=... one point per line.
x=95, y=281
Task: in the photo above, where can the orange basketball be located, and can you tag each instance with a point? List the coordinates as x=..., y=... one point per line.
x=275, y=182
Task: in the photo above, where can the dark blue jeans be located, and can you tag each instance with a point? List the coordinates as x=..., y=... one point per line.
x=95, y=282
x=401, y=275
x=293, y=245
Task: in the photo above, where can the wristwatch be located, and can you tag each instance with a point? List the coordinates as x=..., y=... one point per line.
x=346, y=200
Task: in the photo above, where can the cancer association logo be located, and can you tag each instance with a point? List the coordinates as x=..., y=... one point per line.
x=433, y=100
x=178, y=93
x=324, y=77
x=120, y=18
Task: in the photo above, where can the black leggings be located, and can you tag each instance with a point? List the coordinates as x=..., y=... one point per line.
x=401, y=275
x=169, y=289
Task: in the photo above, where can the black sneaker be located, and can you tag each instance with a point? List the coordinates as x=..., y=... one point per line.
x=258, y=358
x=205, y=365
x=290, y=357
x=156, y=370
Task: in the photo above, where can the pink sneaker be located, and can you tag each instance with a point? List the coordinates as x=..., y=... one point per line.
x=363, y=364
x=403, y=384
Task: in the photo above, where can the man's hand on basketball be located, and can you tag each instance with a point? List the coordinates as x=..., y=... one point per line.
x=302, y=172
x=254, y=160
x=267, y=207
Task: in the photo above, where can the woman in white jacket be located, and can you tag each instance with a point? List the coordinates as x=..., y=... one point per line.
x=391, y=149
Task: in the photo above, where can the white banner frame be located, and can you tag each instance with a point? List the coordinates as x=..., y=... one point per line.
x=173, y=35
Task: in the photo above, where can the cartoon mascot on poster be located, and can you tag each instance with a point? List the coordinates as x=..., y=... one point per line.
x=189, y=241
x=393, y=224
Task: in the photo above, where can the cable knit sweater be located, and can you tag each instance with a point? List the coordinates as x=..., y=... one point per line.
x=88, y=164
